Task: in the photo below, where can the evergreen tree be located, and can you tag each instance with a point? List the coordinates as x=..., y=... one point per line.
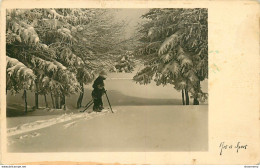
x=175, y=50
x=125, y=63
x=19, y=77
x=61, y=47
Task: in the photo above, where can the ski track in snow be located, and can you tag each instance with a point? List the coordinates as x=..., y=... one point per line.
x=71, y=124
x=27, y=127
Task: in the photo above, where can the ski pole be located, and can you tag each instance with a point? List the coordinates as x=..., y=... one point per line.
x=87, y=106
x=89, y=102
x=109, y=102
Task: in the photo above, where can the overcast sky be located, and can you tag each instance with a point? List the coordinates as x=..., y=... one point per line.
x=133, y=16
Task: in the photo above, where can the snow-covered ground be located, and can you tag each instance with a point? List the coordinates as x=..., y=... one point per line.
x=146, y=118
x=38, y=124
x=130, y=128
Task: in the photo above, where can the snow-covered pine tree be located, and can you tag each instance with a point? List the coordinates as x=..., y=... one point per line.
x=175, y=50
x=18, y=77
x=61, y=47
x=25, y=42
x=125, y=63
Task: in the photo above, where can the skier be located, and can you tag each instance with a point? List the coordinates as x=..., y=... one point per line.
x=98, y=92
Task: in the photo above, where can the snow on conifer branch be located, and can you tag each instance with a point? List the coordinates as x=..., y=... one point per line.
x=18, y=76
x=181, y=51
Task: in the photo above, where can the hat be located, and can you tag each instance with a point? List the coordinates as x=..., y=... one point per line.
x=103, y=74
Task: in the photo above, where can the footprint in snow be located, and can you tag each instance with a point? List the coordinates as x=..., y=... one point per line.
x=31, y=135
x=22, y=136
x=35, y=134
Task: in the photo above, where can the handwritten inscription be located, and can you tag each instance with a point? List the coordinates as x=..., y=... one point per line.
x=237, y=147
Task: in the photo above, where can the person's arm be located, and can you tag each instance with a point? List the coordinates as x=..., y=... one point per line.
x=95, y=84
x=94, y=95
x=101, y=86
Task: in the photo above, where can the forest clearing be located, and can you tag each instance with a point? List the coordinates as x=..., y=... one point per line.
x=156, y=62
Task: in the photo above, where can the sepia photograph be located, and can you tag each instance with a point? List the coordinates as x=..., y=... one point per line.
x=107, y=80
x=127, y=82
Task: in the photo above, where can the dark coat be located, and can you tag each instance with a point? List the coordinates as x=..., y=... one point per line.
x=99, y=89
x=99, y=83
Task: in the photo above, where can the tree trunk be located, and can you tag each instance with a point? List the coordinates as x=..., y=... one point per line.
x=187, y=97
x=36, y=96
x=25, y=101
x=196, y=102
x=62, y=101
x=45, y=99
x=52, y=100
x=182, y=95
x=79, y=102
x=57, y=102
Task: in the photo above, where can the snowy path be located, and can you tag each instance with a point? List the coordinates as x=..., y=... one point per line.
x=131, y=128
x=31, y=126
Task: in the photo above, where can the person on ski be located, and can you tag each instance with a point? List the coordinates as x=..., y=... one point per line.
x=98, y=92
